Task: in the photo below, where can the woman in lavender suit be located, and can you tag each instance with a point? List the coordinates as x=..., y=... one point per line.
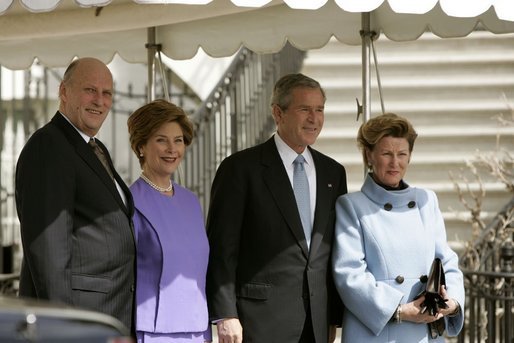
x=172, y=246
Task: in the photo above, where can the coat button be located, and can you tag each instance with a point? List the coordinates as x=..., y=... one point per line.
x=411, y=204
x=388, y=207
x=399, y=279
x=132, y=288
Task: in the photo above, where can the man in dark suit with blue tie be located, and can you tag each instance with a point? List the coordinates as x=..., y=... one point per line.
x=271, y=226
x=75, y=214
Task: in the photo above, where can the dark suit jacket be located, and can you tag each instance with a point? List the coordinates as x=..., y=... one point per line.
x=260, y=269
x=77, y=234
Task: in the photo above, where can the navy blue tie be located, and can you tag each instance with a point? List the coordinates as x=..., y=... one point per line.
x=302, y=195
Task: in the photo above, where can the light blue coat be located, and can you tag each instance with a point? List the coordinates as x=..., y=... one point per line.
x=374, y=245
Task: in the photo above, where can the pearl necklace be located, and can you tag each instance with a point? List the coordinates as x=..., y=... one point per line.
x=154, y=186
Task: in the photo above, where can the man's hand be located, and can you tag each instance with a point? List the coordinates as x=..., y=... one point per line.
x=230, y=331
x=332, y=333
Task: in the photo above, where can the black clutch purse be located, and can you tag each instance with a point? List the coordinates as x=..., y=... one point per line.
x=433, y=299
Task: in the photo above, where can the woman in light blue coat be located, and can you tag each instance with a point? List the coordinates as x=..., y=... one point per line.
x=387, y=236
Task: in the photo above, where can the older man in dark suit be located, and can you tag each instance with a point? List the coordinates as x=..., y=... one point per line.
x=270, y=226
x=74, y=209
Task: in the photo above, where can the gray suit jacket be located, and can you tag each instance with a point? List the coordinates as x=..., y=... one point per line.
x=260, y=269
x=77, y=234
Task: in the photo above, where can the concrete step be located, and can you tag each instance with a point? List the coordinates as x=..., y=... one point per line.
x=423, y=171
x=411, y=93
x=434, y=144
x=336, y=55
x=482, y=46
x=339, y=114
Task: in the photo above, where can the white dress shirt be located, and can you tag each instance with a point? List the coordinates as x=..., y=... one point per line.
x=288, y=156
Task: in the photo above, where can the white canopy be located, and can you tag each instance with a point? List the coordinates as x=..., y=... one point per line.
x=55, y=31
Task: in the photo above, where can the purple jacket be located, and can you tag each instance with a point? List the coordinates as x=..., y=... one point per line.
x=172, y=257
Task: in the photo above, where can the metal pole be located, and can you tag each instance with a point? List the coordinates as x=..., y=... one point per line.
x=507, y=266
x=3, y=119
x=150, y=96
x=366, y=80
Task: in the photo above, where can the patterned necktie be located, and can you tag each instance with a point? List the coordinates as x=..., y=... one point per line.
x=101, y=156
x=302, y=195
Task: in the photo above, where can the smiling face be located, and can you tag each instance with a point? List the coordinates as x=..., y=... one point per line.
x=86, y=96
x=163, y=153
x=389, y=160
x=300, y=123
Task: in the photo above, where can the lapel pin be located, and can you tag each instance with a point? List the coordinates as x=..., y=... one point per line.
x=329, y=185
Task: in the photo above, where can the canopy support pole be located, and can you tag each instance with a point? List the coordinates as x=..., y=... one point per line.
x=152, y=48
x=366, y=36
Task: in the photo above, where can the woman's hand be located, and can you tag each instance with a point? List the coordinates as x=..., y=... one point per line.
x=411, y=312
x=453, y=305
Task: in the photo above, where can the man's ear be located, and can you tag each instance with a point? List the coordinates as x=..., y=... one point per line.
x=277, y=112
x=62, y=91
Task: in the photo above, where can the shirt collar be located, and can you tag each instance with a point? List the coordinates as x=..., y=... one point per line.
x=82, y=134
x=288, y=155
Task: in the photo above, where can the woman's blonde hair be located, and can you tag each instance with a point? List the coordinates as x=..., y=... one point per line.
x=385, y=125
